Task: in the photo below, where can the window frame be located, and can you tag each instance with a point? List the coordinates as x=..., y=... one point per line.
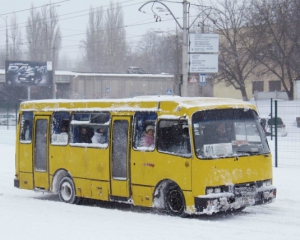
x=144, y=119
x=30, y=118
x=59, y=139
x=175, y=140
x=76, y=125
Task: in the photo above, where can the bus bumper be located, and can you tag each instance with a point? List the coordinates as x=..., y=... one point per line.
x=222, y=202
x=16, y=183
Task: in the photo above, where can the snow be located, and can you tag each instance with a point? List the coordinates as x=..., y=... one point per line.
x=33, y=215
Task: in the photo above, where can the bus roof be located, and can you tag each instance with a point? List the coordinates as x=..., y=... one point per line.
x=176, y=104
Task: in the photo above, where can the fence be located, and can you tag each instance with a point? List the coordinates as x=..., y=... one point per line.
x=7, y=108
x=285, y=148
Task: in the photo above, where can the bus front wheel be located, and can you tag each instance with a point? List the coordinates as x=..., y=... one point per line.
x=67, y=192
x=174, y=200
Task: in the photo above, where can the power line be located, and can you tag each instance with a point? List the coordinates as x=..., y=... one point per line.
x=78, y=34
x=32, y=8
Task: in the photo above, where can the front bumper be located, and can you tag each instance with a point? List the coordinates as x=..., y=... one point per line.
x=16, y=183
x=222, y=202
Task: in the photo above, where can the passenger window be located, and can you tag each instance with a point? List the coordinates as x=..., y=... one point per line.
x=173, y=137
x=60, y=128
x=26, y=127
x=90, y=128
x=144, y=130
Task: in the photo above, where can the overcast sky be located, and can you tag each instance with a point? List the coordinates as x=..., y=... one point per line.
x=74, y=17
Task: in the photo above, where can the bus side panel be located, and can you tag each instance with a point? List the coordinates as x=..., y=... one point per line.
x=100, y=190
x=83, y=187
x=142, y=196
x=189, y=202
x=25, y=157
x=80, y=162
x=17, y=154
x=220, y=172
x=26, y=180
x=149, y=168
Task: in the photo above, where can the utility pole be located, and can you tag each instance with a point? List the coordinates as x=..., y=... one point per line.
x=177, y=90
x=6, y=40
x=185, y=63
x=185, y=43
x=5, y=19
x=53, y=72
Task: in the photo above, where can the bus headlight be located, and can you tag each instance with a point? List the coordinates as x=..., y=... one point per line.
x=267, y=182
x=209, y=190
x=213, y=190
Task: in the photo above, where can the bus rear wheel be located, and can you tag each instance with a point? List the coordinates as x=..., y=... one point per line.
x=174, y=200
x=67, y=192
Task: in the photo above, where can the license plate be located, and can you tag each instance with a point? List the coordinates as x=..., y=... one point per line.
x=246, y=200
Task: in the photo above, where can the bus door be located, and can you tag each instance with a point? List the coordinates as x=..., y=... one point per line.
x=120, y=157
x=40, y=153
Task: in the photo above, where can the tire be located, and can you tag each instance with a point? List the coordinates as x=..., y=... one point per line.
x=174, y=201
x=67, y=192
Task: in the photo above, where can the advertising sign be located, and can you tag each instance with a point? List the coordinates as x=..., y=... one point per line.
x=204, y=43
x=204, y=63
x=25, y=73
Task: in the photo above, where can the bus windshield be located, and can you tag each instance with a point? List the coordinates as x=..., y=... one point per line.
x=227, y=133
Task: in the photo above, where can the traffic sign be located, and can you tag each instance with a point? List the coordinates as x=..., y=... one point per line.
x=202, y=79
x=193, y=78
x=204, y=63
x=169, y=92
x=204, y=43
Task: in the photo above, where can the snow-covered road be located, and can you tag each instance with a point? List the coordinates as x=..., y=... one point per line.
x=30, y=215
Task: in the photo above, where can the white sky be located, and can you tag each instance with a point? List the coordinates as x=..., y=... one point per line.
x=74, y=17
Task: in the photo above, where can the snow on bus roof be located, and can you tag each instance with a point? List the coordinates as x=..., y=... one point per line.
x=129, y=103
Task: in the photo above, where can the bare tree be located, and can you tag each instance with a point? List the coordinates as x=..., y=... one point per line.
x=235, y=61
x=93, y=46
x=43, y=34
x=114, y=39
x=15, y=52
x=275, y=26
x=34, y=35
x=146, y=54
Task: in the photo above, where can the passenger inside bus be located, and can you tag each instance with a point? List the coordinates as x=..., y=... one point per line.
x=185, y=145
x=84, y=136
x=222, y=136
x=148, y=137
x=25, y=131
x=99, y=136
x=63, y=130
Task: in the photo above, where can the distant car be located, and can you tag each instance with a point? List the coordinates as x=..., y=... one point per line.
x=135, y=70
x=8, y=118
x=269, y=126
x=31, y=75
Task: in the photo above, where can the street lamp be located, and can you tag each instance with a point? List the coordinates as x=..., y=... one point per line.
x=5, y=19
x=185, y=28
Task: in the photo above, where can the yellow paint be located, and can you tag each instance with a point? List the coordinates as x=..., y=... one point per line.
x=100, y=190
x=82, y=187
x=26, y=180
x=142, y=195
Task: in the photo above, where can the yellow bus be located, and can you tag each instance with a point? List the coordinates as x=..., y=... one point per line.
x=182, y=155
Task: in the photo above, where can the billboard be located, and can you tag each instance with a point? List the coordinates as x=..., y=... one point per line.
x=27, y=73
